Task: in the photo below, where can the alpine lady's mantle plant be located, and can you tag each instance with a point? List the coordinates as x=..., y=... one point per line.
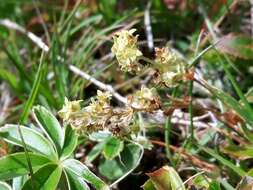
x=51, y=155
x=170, y=70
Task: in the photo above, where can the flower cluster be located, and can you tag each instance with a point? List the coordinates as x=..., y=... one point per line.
x=95, y=114
x=100, y=115
x=145, y=99
x=69, y=109
x=171, y=69
x=126, y=50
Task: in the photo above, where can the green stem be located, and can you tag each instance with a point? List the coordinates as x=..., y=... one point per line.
x=26, y=110
x=191, y=110
x=147, y=60
x=27, y=156
x=168, y=127
x=196, y=58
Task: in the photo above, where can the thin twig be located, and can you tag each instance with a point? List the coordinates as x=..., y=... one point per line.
x=12, y=25
x=98, y=83
x=190, y=178
x=44, y=26
x=148, y=28
x=5, y=101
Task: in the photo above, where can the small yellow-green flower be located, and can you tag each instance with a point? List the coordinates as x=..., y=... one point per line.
x=145, y=99
x=69, y=108
x=100, y=104
x=171, y=68
x=126, y=50
x=120, y=121
x=103, y=97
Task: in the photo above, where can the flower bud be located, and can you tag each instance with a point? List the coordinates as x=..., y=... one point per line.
x=69, y=108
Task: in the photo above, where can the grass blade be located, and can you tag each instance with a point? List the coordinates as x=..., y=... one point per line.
x=33, y=93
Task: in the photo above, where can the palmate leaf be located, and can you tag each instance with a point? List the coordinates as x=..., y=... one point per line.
x=94, y=153
x=118, y=167
x=46, y=178
x=70, y=142
x=33, y=139
x=83, y=171
x=16, y=164
x=112, y=148
x=76, y=182
x=50, y=125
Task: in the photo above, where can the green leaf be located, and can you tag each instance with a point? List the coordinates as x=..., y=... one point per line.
x=237, y=45
x=18, y=182
x=243, y=111
x=100, y=136
x=130, y=156
x=201, y=181
x=250, y=172
x=10, y=78
x=148, y=185
x=4, y=33
x=249, y=95
x=70, y=142
x=240, y=152
x=231, y=103
x=112, y=148
x=111, y=169
x=16, y=164
x=129, y=160
x=60, y=71
x=224, y=161
x=166, y=178
x=214, y=185
x=83, y=171
x=50, y=125
x=96, y=150
x=4, y=186
x=247, y=132
x=46, y=178
x=33, y=94
x=33, y=139
x=76, y=182
x=225, y=184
